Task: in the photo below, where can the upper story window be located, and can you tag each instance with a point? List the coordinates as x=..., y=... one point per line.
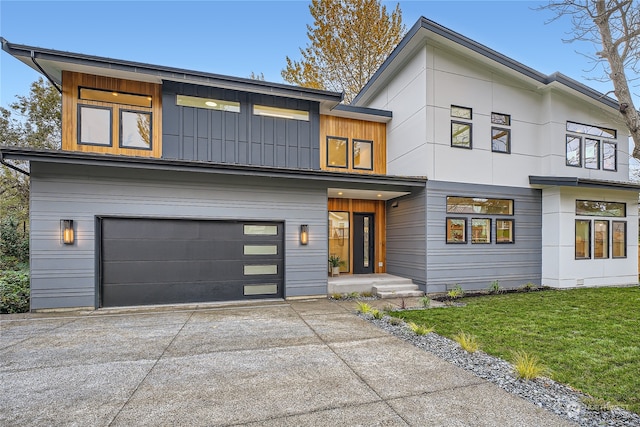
x=587, y=146
x=362, y=154
x=337, y=152
x=208, y=103
x=281, y=113
x=101, y=111
x=501, y=136
x=461, y=130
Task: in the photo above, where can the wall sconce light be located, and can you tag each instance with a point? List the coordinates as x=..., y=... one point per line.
x=304, y=234
x=66, y=227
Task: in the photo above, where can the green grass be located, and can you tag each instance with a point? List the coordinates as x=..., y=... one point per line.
x=587, y=338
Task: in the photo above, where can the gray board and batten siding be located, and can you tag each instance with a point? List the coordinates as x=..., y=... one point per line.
x=66, y=276
x=190, y=133
x=437, y=266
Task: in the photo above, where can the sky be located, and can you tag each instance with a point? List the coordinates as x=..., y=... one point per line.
x=237, y=38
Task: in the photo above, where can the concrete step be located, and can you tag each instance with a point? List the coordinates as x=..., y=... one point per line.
x=399, y=294
x=395, y=287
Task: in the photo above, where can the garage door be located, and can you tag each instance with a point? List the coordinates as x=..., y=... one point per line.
x=161, y=261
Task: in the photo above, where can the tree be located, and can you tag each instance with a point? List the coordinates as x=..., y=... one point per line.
x=348, y=42
x=39, y=125
x=613, y=26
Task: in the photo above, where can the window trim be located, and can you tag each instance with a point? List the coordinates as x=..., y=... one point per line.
x=597, y=157
x=464, y=231
x=606, y=242
x=508, y=116
x=575, y=235
x=513, y=231
x=120, y=124
x=511, y=205
x=625, y=242
x=79, y=130
x=463, y=108
x=346, y=153
x=353, y=152
x=455, y=122
x=489, y=241
x=508, y=150
x=624, y=215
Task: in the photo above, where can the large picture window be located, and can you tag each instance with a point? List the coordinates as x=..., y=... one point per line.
x=337, y=152
x=94, y=125
x=598, y=152
x=609, y=236
x=362, y=154
x=135, y=129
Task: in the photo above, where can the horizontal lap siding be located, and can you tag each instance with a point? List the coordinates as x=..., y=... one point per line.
x=475, y=266
x=406, y=230
x=64, y=276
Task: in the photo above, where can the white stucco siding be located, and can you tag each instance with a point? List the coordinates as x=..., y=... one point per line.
x=559, y=266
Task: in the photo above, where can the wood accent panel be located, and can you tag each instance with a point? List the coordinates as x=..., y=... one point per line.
x=72, y=81
x=377, y=207
x=358, y=129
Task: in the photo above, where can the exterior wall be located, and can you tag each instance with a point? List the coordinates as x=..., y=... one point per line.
x=560, y=268
x=354, y=129
x=71, y=82
x=406, y=242
x=65, y=276
x=419, y=135
x=240, y=138
x=475, y=266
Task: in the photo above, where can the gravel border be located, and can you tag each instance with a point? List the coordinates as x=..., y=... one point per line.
x=543, y=392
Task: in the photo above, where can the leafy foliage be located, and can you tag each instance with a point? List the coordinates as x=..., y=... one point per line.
x=363, y=307
x=456, y=292
x=34, y=121
x=348, y=41
x=14, y=244
x=14, y=291
x=468, y=342
x=419, y=329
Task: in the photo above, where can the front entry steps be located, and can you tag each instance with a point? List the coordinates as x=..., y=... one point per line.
x=383, y=285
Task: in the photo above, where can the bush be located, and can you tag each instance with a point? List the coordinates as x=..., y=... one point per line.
x=468, y=342
x=527, y=366
x=14, y=291
x=14, y=244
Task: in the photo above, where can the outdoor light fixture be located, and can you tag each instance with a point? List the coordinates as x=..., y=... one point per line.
x=66, y=227
x=304, y=234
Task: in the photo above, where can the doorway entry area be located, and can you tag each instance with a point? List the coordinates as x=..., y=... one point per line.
x=356, y=235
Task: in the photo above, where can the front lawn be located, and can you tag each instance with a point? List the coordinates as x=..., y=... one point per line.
x=588, y=338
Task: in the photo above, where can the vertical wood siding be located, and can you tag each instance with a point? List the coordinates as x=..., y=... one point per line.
x=71, y=82
x=65, y=276
x=240, y=138
x=358, y=129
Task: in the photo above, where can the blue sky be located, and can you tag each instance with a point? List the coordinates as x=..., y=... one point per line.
x=238, y=37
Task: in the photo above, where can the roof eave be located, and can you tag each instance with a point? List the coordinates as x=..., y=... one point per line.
x=570, y=181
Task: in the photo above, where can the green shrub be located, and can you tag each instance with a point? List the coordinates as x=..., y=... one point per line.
x=495, y=287
x=14, y=291
x=419, y=329
x=455, y=292
x=363, y=307
x=377, y=314
x=14, y=244
x=425, y=301
x=527, y=366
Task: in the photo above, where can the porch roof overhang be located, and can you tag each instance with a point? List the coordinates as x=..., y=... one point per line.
x=387, y=186
x=566, y=181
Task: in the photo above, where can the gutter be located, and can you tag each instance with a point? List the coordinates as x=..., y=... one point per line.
x=10, y=166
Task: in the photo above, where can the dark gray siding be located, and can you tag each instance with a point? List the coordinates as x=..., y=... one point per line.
x=65, y=276
x=476, y=266
x=406, y=230
x=190, y=133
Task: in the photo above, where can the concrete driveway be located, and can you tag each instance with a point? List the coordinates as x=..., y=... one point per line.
x=273, y=363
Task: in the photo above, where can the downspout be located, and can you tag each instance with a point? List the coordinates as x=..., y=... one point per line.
x=10, y=166
x=33, y=59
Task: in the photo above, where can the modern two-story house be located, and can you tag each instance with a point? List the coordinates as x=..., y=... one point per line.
x=454, y=165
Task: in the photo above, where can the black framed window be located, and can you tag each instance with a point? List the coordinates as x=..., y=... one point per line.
x=609, y=156
x=135, y=129
x=456, y=230
x=480, y=230
x=504, y=231
x=619, y=239
x=479, y=205
x=601, y=239
x=461, y=135
x=337, y=152
x=574, y=151
x=94, y=125
x=501, y=119
x=500, y=140
x=583, y=239
x=600, y=208
x=362, y=154
x=591, y=153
